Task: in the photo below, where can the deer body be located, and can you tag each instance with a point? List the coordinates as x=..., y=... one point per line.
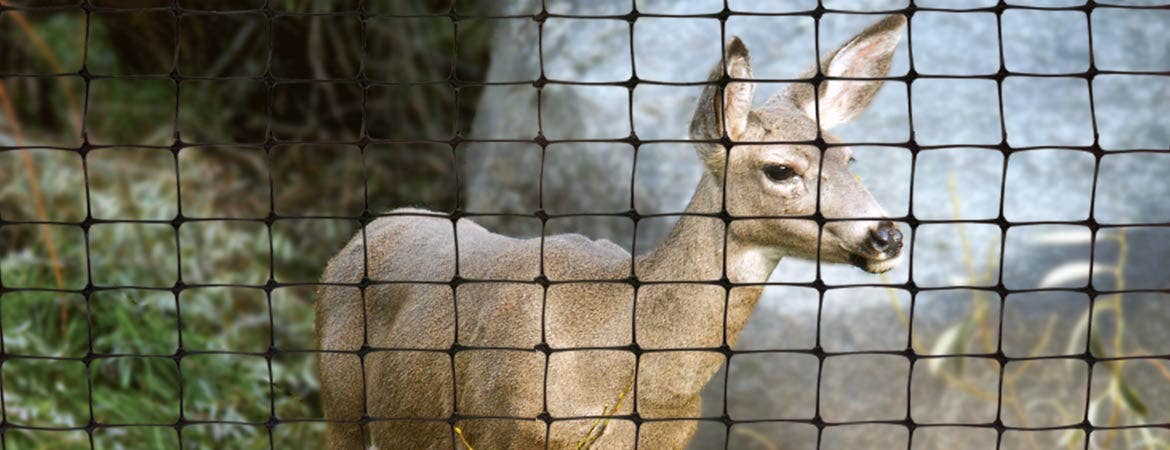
x=498, y=388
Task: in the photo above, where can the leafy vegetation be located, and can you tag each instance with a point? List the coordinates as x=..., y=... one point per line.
x=156, y=354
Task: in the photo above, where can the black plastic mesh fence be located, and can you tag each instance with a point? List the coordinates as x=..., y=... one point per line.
x=362, y=83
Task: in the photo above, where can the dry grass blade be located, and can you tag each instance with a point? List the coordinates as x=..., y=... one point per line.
x=462, y=438
x=30, y=169
x=46, y=52
x=757, y=437
x=599, y=425
x=26, y=158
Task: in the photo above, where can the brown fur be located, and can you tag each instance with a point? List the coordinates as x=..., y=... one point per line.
x=508, y=383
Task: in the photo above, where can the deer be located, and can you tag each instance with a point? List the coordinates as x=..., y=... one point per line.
x=434, y=332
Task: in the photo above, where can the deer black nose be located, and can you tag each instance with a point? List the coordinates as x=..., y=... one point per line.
x=886, y=238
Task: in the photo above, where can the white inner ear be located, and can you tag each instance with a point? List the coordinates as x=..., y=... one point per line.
x=858, y=59
x=810, y=108
x=851, y=60
x=737, y=98
x=736, y=108
x=834, y=102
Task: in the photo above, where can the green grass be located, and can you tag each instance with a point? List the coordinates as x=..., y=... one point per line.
x=144, y=388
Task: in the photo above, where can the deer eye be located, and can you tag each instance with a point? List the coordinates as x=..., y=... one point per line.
x=778, y=172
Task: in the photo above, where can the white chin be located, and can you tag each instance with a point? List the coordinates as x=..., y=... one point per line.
x=882, y=265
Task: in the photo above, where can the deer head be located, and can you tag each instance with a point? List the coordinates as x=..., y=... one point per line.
x=763, y=176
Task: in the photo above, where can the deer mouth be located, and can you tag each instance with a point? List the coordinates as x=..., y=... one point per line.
x=880, y=252
x=876, y=265
x=870, y=258
x=864, y=257
x=875, y=262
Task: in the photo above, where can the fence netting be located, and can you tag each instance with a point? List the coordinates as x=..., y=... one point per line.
x=110, y=343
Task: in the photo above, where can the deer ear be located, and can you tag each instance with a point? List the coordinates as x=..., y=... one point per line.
x=867, y=55
x=724, y=109
x=738, y=95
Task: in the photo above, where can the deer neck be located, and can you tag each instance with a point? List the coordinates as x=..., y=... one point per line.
x=694, y=248
x=692, y=315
